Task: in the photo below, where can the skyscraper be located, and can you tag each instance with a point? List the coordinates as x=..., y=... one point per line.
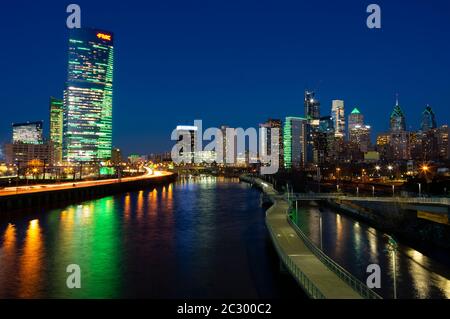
x=56, y=126
x=400, y=138
x=295, y=140
x=355, y=118
x=397, y=120
x=312, y=106
x=87, y=116
x=359, y=135
x=428, y=119
x=267, y=146
x=28, y=133
x=187, y=137
x=338, y=115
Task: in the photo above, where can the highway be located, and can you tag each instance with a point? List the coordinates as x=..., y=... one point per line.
x=60, y=186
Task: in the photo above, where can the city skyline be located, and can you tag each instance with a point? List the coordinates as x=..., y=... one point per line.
x=244, y=104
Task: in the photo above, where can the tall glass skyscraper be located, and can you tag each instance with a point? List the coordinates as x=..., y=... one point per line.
x=338, y=115
x=295, y=140
x=56, y=126
x=428, y=119
x=397, y=120
x=87, y=128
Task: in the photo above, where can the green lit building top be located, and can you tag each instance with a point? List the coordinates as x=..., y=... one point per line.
x=87, y=116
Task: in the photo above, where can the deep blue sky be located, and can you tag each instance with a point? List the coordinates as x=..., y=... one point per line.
x=231, y=62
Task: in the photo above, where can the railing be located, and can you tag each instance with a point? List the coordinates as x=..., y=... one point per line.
x=356, y=285
x=302, y=279
x=413, y=200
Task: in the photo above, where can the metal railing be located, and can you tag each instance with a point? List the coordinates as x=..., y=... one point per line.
x=351, y=280
x=296, y=272
x=413, y=200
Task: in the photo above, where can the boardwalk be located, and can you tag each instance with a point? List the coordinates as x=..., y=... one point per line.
x=318, y=280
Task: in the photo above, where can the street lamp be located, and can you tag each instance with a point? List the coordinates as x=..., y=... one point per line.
x=393, y=190
x=420, y=189
x=392, y=247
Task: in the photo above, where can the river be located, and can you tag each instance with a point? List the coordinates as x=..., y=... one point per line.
x=200, y=237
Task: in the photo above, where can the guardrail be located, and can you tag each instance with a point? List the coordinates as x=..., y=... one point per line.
x=413, y=200
x=301, y=278
x=357, y=285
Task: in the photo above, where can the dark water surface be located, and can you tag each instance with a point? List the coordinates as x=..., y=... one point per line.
x=196, y=238
x=354, y=245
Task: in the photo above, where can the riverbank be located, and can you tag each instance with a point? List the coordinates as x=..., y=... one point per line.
x=44, y=195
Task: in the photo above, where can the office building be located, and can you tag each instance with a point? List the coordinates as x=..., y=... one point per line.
x=295, y=140
x=56, y=126
x=87, y=116
x=355, y=118
x=338, y=115
x=27, y=133
x=428, y=119
x=187, y=137
x=312, y=106
x=266, y=146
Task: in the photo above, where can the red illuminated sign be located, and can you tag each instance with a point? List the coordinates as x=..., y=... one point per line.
x=104, y=36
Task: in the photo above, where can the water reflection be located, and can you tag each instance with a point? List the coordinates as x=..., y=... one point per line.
x=354, y=245
x=31, y=262
x=197, y=238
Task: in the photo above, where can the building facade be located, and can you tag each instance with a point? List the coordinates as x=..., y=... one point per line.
x=87, y=116
x=295, y=140
x=27, y=133
x=338, y=115
x=266, y=147
x=56, y=127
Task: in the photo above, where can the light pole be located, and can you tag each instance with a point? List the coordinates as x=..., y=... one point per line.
x=393, y=190
x=420, y=189
x=392, y=249
x=373, y=191
x=357, y=191
x=390, y=168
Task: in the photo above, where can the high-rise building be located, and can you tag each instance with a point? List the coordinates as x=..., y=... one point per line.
x=267, y=128
x=87, y=116
x=355, y=118
x=28, y=133
x=397, y=120
x=338, y=115
x=229, y=144
x=187, y=136
x=359, y=135
x=400, y=138
x=56, y=126
x=428, y=119
x=384, y=145
x=443, y=142
x=295, y=140
x=312, y=106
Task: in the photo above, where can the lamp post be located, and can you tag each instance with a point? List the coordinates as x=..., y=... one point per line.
x=392, y=249
x=420, y=189
x=373, y=191
x=390, y=168
x=393, y=190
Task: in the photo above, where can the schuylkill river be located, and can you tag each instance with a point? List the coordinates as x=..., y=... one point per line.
x=200, y=237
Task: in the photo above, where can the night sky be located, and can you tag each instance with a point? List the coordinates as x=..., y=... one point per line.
x=231, y=62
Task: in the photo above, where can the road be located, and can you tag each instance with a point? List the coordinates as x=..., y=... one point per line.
x=60, y=186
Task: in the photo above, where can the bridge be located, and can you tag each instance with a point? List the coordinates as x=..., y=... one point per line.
x=318, y=275
x=386, y=199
